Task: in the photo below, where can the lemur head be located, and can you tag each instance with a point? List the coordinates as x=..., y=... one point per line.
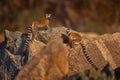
x=68, y=31
x=47, y=16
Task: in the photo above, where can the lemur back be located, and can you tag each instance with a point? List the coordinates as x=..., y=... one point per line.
x=75, y=38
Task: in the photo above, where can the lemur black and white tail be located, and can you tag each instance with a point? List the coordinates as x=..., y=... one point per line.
x=88, y=57
x=28, y=38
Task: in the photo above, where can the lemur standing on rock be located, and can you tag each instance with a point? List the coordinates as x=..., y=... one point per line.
x=32, y=31
x=75, y=38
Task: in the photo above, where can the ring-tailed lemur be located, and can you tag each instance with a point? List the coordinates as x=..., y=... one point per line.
x=75, y=38
x=32, y=31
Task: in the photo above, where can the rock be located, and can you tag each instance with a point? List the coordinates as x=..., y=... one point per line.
x=9, y=65
x=14, y=41
x=10, y=55
x=11, y=52
x=102, y=50
x=36, y=47
x=50, y=64
x=58, y=32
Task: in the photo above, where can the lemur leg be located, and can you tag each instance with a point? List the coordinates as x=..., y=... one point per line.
x=35, y=35
x=48, y=27
x=35, y=32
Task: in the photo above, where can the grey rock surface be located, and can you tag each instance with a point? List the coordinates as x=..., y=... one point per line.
x=101, y=49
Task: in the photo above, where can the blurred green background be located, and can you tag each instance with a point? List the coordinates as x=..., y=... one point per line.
x=100, y=16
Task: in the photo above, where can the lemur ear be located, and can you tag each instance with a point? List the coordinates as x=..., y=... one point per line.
x=48, y=16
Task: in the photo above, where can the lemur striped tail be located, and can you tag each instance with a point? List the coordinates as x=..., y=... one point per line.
x=88, y=57
x=28, y=38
